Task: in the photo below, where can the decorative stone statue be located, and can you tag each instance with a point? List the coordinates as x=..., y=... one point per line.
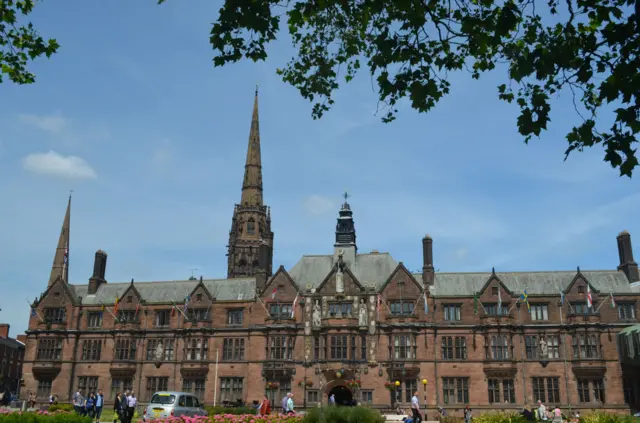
x=307, y=328
x=339, y=281
x=307, y=349
x=317, y=318
x=543, y=348
x=158, y=352
x=372, y=351
x=372, y=327
x=362, y=315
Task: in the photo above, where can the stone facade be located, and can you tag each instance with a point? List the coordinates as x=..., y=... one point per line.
x=11, y=358
x=492, y=340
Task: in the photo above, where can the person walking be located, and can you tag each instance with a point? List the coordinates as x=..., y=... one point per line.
x=290, y=406
x=131, y=406
x=542, y=412
x=557, y=414
x=78, y=402
x=284, y=403
x=117, y=408
x=415, y=408
x=332, y=399
x=99, y=405
x=90, y=405
x=265, y=407
x=467, y=414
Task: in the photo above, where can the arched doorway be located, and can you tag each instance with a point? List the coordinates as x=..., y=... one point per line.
x=343, y=395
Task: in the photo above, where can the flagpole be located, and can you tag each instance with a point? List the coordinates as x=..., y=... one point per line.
x=109, y=310
x=215, y=383
x=34, y=309
x=564, y=345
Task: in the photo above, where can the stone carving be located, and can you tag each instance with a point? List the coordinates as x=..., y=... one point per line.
x=372, y=352
x=362, y=315
x=325, y=307
x=317, y=318
x=159, y=352
x=307, y=349
x=372, y=327
x=543, y=348
x=339, y=275
x=307, y=328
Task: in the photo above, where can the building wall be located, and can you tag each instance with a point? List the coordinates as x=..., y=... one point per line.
x=477, y=367
x=11, y=359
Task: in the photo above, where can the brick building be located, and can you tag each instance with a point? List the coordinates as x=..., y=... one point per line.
x=490, y=339
x=11, y=359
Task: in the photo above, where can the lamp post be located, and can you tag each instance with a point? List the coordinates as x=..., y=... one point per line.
x=424, y=384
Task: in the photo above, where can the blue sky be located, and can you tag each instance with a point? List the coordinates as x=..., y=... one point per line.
x=132, y=116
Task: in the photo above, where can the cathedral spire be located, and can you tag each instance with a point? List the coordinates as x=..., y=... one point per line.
x=60, y=266
x=252, y=182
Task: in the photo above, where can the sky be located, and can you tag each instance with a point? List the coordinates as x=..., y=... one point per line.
x=132, y=116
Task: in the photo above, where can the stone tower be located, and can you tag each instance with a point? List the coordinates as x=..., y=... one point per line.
x=250, y=249
x=60, y=268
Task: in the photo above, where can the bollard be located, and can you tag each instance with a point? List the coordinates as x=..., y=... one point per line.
x=23, y=407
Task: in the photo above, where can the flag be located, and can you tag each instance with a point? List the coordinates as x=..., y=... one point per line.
x=589, y=298
x=173, y=310
x=426, y=303
x=379, y=303
x=274, y=293
x=525, y=299
x=66, y=253
x=561, y=297
x=115, y=307
x=475, y=303
x=34, y=313
x=499, y=301
x=101, y=310
x=293, y=307
x=137, y=309
x=186, y=302
x=613, y=302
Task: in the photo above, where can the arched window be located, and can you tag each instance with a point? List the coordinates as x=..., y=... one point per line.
x=251, y=226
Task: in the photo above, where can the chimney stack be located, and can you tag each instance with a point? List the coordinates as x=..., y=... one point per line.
x=428, y=274
x=99, y=270
x=625, y=252
x=4, y=330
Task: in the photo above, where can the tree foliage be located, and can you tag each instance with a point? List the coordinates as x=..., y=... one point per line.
x=19, y=43
x=587, y=49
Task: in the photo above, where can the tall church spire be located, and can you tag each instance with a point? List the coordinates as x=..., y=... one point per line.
x=250, y=249
x=60, y=266
x=252, y=183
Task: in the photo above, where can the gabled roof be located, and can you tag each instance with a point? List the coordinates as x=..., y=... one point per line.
x=536, y=283
x=171, y=291
x=282, y=270
x=398, y=268
x=494, y=277
x=371, y=270
x=346, y=270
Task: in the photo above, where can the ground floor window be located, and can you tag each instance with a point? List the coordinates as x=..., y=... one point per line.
x=276, y=395
x=546, y=389
x=155, y=384
x=88, y=384
x=366, y=397
x=501, y=391
x=119, y=386
x=44, y=388
x=313, y=397
x=591, y=390
x=405, y=391
x=455, y=390
x=194, y=386
x=230, y=389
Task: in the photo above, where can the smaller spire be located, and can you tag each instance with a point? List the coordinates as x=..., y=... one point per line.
x=60, y=266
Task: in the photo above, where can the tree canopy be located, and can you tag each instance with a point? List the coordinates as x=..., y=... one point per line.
x=20, y=43
x=588, y=49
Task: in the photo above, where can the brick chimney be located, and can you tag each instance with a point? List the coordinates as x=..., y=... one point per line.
x=99, y=270
x=428, y=274
x=22, y=338
x=625, y=252
x=4, y=330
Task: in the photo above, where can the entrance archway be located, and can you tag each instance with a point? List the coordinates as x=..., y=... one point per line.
x=343, y=395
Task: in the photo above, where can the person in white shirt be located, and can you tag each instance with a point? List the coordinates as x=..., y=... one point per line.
x=290, y=409
x=542, y=412
x=131, y=406
x=415, y=408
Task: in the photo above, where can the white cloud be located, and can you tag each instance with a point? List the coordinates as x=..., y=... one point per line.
x=318, y=205
x=54, y=123
x=55, y=164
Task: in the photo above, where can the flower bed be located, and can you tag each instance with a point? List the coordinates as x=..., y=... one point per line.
x=9, y=416
x=232, y=418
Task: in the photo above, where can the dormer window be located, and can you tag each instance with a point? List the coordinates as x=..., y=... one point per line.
x=251, y=227
x=494, y=290
x=581, y=289
x=129, y=299
x=198, y=297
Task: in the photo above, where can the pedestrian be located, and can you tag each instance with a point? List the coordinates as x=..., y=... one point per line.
x=467, y=414
x=117, y=411
x=90, y=405
x=332, y=399
x=542, y=412
x=99, y=404
x=415, y=408
x=557, y=414
x=78, y=402
x=265, y=407
x=290, y=406
x=131, y=406
x=284, y=404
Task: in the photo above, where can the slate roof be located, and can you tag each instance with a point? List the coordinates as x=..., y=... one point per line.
x=169, y=291
x=536, y=283
x=371, y=269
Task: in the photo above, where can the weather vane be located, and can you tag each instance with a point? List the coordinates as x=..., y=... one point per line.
x=346, y=195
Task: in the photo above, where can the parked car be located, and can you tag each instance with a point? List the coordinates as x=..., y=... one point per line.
x=173, y=404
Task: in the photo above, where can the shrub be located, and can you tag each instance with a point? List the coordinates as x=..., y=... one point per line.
x=230, y=410
x=452, y=419
x=250, y=418
x=601, y=417
x=499, y=417
x=342, y=415
x=61, y=407
x=41, y=417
